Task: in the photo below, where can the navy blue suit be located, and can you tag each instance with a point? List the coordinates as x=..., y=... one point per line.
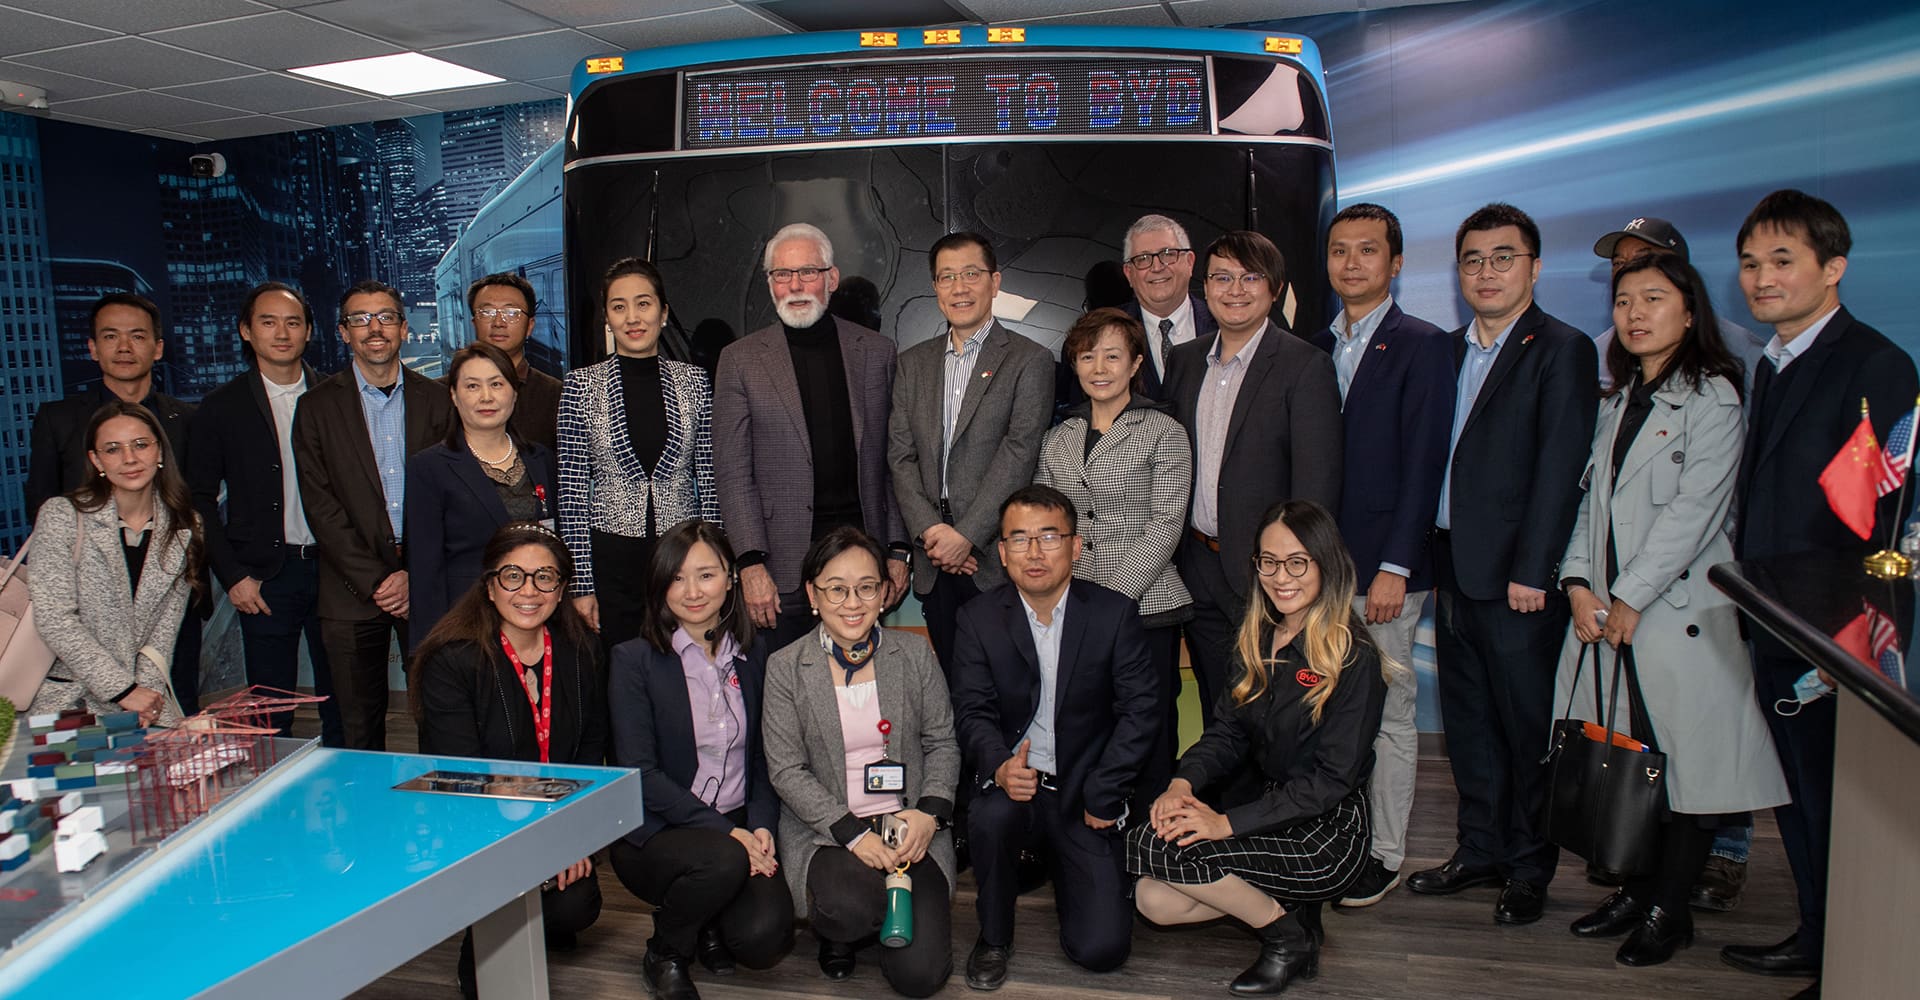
x=453, y=509
x=1397, y=413
x=1153, y=382
x=1107, y=713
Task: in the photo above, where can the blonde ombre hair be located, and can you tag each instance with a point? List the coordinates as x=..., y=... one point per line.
x=1328, y=626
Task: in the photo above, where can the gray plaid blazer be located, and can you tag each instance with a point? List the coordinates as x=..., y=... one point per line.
x=1131, y=495
x=763, y=458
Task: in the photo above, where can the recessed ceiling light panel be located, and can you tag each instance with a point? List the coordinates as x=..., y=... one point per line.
x=392, y=76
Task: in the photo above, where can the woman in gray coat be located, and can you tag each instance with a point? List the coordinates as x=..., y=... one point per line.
x=1659, y=483
x=858, y=731
x=118, y=558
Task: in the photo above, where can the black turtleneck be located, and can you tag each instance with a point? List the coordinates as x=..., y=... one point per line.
x=646, y=405
x=822, y=374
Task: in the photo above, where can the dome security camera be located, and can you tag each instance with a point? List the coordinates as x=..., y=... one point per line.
x=207, y=165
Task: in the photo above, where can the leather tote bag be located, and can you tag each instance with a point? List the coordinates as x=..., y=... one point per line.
x=1608, y=793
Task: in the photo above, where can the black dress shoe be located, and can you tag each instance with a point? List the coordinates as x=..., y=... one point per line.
x=668, y=977
x=1520, y=903
x=1783, y=959
x=1289, y=953
x=987, y=966
x=1657, y=938
x=713, y=953
x=1618, y=914
x=1451, y=878
x=836, y=960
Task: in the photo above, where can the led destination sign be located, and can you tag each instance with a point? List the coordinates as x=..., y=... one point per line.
x=949, y=96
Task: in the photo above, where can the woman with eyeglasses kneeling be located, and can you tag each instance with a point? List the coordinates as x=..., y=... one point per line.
x=114, y=563
x=860, y=747
x=686, y=701
x=1303, y=710
x=512, y=673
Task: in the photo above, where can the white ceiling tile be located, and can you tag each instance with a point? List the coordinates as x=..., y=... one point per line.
x=235, y=128
x=135, y=62
x=581, y=12
x=421, y=24
x=276, y=40
x=147, y=109
x=365, y=111
x=135, y=16
x=59, y=86
x=478, y=97
x=28, y=32
x=701, y=26
x=527, y=57
x=267, y=93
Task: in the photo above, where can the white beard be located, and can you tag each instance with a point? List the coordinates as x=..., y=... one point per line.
x=800, y=316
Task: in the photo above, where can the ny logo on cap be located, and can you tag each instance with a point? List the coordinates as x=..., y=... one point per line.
x=1635, y=224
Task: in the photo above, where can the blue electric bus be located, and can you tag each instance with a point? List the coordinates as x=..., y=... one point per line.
x=1050, y=141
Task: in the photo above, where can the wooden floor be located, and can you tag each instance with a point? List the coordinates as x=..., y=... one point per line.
x=1407, y=946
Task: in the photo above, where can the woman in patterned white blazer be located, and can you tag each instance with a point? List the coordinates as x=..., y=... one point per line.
x=636, y=453
x=117, y=560
x=1127, y=465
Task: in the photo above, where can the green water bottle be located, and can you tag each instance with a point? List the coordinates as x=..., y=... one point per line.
x=897, y=930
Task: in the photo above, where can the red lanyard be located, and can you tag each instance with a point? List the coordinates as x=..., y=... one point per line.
x=542, y=709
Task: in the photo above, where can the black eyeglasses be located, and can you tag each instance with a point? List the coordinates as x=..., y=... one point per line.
x=1296, y=566
x=1049, y=541
x=836, y=594
x=511, y=578
x=806, y=275
x=1502, y=262
x=1170, y=256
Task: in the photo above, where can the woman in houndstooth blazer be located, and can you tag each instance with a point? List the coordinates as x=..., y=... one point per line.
x=636, y=453
x=1128, y=468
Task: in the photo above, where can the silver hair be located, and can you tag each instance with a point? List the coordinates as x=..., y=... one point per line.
x=1152, y=224
x=799, y=231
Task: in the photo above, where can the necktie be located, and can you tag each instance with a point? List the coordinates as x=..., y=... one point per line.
x=1166, y=344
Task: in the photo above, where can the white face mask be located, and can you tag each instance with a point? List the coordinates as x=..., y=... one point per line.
x=1809, y=688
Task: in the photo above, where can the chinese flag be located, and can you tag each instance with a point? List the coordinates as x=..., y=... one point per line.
x=1850, y=480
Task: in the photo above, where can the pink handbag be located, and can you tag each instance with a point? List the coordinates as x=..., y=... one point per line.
x=24, y=658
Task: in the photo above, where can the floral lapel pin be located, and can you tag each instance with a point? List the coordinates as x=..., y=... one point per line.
x=986, y=374
x=1528, y=339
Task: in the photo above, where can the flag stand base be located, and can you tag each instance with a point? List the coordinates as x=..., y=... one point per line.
x=1887, y=564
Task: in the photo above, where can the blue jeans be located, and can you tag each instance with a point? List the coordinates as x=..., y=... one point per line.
x=1733, y=843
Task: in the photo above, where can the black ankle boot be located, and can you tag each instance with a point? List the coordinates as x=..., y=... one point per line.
x=668, y=977
x=1289, y=953
x=1309, y=916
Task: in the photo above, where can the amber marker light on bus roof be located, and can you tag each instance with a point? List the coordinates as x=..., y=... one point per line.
x=607, y=64
x=940, y=36
x=879, y=39
x=1006, y=34
x=1284, y=46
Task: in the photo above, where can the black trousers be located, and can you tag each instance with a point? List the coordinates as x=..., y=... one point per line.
x=795, y=621
x=941, y=606
x=1804, y=743
x=1497, y=670
x=696, y=877
x=1215, y=623
x=184, y=672
x=563, y=912
x=1163, y=648
x=848, y=902
x=1685, y=840
x=272, y=643
x=620, y=567
x=358, y=652
x=1088, y=868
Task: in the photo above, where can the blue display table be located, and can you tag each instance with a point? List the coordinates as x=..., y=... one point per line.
x=319, y=877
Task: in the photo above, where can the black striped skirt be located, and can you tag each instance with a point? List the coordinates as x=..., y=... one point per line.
x=1309, y=862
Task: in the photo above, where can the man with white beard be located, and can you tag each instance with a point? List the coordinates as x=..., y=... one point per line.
x=800, y=436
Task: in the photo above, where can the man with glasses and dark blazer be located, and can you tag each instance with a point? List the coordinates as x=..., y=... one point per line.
x=352, y=435
x=969, y=409
x=1262, y=408
x=1056, y=706
x=1157, y=255
x=258, y=541
x=800, y=436
x=1524, y=409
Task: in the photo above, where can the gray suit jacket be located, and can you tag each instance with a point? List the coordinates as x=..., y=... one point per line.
x=763, y=459
x=1666, y=517
x=83, y=614
x=807, y=757
x=1006, y=409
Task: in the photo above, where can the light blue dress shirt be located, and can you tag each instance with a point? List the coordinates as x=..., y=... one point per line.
x=1473, y=376
x=1350, y=343
x=1046, y=642
x=387, y=429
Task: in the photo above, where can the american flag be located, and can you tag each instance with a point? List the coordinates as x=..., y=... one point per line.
x=1883, y=643
x=1896, y=457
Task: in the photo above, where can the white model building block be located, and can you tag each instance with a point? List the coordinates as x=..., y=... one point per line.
x=70, y=854
x=86, y=819
x=14, y=846
x=68, y=803
x=45, y=720
x=26, y=789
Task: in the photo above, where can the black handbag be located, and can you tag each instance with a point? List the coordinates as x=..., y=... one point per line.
x=1608, y=791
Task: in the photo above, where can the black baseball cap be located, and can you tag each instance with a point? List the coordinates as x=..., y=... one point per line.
x=1658, y=232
